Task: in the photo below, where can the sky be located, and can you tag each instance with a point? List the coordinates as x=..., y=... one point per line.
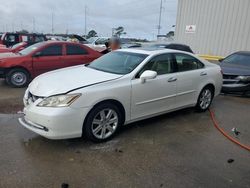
x=138, y=17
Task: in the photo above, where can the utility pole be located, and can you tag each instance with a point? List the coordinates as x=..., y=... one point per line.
x=52, y=22
x=34, y=25
x=159, y=25
x=85, y=20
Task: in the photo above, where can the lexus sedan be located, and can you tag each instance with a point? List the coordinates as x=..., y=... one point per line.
x=118, y=88
x=236, y=73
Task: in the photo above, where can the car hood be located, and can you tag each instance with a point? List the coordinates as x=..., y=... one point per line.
x=9, y=55
x=68, y=79
x=231, y=69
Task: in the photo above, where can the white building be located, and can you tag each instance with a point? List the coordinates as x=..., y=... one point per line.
x=214, y=27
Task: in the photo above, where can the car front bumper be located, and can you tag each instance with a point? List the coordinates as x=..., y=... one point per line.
x=54, y=123
x=236, y=87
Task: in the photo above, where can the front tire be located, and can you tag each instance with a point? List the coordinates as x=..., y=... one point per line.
x=205, y=99
x=17, y=78
x=102, y=122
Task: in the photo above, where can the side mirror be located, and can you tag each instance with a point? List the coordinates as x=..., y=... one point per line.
x=148, y=74
x=37, y=54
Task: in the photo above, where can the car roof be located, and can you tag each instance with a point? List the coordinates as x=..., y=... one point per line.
x=169, y=43
x=151, y=51
x=243, y=52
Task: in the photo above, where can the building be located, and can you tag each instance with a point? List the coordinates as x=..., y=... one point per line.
x=214, y=27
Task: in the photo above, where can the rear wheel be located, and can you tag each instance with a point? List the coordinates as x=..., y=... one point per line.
x=17, y=77
x=102, y=122
x=205, y=99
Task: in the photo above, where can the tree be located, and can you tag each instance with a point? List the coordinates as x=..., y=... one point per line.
x=170, y=34
x=92, y=33
x=119, y=31
x=23, y=31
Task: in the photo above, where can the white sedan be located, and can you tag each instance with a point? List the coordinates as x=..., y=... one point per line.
x=121, y=87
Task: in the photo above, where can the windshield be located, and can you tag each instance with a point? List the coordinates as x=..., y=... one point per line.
x=31, y=48
x=238, y=59
x=92, y=39
x=17, y=45
x=118, y=62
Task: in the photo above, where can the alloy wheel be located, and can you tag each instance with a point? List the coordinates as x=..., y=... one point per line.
x=104, y=123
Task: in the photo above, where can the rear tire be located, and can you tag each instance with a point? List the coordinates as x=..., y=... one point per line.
x=205, y=99
x=102, y=123
x=18, y=77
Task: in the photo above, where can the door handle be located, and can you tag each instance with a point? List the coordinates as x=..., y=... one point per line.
x=203, y=74
x=172, y=79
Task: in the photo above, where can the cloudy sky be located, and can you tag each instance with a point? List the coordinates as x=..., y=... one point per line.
x=138, y=17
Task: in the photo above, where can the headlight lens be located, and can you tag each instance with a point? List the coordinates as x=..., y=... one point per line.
x=59, y=100
x=244, y=78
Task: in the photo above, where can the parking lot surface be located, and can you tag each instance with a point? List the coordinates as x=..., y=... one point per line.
x=180, y=149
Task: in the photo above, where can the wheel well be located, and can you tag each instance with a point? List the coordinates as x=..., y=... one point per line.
x=211, y=86
x=17, y=67
x=115, y=102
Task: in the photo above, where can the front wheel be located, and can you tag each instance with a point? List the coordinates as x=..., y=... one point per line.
x=17, y=77
x=102, y=122
x=205, y=99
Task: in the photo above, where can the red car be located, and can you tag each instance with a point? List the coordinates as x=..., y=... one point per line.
x=14, y=49
x=19, y=68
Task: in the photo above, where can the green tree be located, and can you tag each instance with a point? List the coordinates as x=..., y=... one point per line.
x=170, y=34
x=119, y=31
x=92, y=33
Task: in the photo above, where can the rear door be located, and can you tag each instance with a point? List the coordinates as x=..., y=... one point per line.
x=49, y=58
x=76, y=55
x=191, y=74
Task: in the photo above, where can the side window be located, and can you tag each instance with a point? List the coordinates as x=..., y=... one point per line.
x=162, y=64
x=53, y=50
x=101, y=41
x=75, y=50
x=12, y=38
x=186, y=62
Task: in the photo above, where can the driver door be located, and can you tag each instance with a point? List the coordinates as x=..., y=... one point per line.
x=155, y=95
x=48, y=59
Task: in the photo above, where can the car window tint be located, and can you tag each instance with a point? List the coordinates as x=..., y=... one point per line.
x=53, y=50
x=75, y=50
x=162, y=64
x=186, y=62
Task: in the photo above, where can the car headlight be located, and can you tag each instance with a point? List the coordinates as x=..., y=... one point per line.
x=244, y=78
x=59, y=100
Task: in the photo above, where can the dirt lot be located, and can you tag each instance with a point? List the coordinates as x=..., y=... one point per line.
x=180, y=149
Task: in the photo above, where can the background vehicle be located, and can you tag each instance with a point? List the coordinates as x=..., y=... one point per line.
x=97, y=43
x=14, y=49
x=10, y=39
x=236, y=72
x=42, y=57
x=65, y=37
x=118, y=88
x=174, y=46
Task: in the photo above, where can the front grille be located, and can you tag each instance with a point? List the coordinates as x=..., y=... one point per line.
x=229, y=77
x=32, y=97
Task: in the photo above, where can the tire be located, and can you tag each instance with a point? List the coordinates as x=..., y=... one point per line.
x=17, y=77
x=102, y=123
x=205, y=99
